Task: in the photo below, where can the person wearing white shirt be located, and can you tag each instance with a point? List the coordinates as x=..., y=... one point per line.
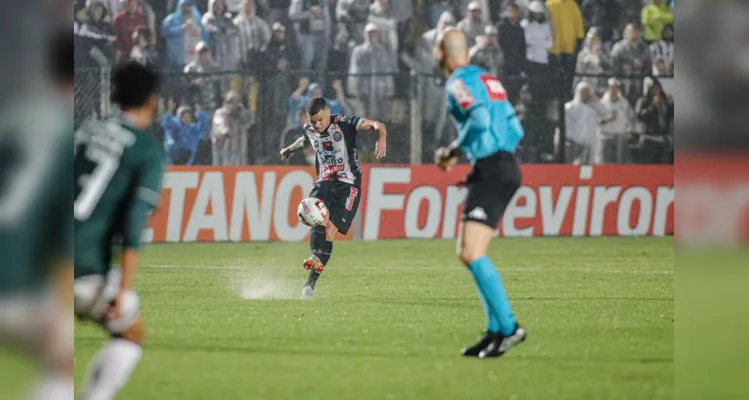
x=539, y=40
x=583, y=116
x=613, y=135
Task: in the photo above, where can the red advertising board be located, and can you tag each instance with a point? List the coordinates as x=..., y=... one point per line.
x=259, y=203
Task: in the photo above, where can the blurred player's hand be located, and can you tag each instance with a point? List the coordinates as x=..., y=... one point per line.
x=285, y=153
x=444, y=159
x=115, y=309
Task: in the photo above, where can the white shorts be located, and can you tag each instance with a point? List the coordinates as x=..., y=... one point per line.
x=95, y=293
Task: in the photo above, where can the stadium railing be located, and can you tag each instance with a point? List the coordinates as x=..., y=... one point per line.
x=413, y=108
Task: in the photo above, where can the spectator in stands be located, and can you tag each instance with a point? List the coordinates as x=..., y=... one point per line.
x=204, y=83
x=486, y=53
x=631, y=57
x=182, y=31
x=473, y=24
x=425, y=47
x=113, y=7
x=230, y=132
x=539, y=39
x=605, y=15
x=567, y=24
x=306, y=91
x=183, y=132
x=372, y=61
x=254, y=36
x=276, y=11
x=380, y=14
x=656, y=113
x=664, y=74
x=143, y=50
x=353, y=16
x=655, y=16
x=314, y=27
x=433, y=109
x=437, y=9
x=223, y=33
x=615, y=134
x=282, y=54
x=665, y=47
x=512, y=41
x=593, y=60
x=283, y=57
x=292, y=133
x=582, y=116
x=96, y=25
x=125, y=23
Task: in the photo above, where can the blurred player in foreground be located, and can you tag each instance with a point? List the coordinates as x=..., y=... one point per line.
x=488, y=133
x=36, y=268
x=118, y=171
x=338, y=182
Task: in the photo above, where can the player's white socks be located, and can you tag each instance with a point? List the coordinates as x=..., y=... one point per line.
x=111, y=369
x=55, y=387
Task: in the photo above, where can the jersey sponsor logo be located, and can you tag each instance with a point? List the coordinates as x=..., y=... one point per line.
x=351, y=197
x=461, y=94
x=494, y=87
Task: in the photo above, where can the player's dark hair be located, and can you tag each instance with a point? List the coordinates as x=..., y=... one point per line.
x=133, y=84
x=315, y=105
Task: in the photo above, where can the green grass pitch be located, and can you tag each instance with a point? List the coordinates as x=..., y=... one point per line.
x=390, y=317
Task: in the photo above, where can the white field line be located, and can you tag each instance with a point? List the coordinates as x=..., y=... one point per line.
x=404, y=268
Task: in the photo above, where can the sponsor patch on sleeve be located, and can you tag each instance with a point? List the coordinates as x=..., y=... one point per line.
x=461, y=94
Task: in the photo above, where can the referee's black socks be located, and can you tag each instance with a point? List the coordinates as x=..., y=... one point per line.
x=319, y=246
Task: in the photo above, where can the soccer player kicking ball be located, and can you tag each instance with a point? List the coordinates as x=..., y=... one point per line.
x=338, y=182
x=488, y=133
x=118, y=170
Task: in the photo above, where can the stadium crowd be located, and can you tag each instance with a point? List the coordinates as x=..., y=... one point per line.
x=237, y=71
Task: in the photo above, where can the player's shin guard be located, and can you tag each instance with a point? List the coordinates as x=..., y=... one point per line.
x=321, y=248
x=490, y=285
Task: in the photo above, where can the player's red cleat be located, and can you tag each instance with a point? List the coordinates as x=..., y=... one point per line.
x=313, y=263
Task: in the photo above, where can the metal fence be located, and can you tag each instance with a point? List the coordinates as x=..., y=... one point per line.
x=410, y=103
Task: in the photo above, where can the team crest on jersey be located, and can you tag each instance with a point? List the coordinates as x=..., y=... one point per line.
x=461, y=94
x=337, y=136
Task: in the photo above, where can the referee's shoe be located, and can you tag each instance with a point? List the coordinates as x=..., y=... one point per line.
x=502, y=343
x=492, y=345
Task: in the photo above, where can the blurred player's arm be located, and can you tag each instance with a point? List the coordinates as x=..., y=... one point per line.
x=144, y=200
x=298, y=144
x=381, y=146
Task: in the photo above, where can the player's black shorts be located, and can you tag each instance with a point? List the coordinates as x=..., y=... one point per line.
x=491, y=184
x=342, y=200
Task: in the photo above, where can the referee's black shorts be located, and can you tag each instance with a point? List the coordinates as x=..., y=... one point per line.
x=342, y=200
x=491, y=184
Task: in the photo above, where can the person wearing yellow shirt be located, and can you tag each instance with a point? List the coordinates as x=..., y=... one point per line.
x=568, y=32
x=655, y=16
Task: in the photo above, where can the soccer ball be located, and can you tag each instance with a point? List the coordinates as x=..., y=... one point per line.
x=312, y=212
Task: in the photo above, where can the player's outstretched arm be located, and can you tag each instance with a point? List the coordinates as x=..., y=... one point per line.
x=381, y=145
x=288, y=151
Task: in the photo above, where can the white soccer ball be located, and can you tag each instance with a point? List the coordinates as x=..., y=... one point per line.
x=312, y=212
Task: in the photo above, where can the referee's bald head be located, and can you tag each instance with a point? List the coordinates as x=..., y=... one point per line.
x=452, y=50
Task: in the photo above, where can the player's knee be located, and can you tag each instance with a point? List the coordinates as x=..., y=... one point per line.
x=467, y=254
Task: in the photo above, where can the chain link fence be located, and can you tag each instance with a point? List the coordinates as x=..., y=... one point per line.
x=410, y=103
